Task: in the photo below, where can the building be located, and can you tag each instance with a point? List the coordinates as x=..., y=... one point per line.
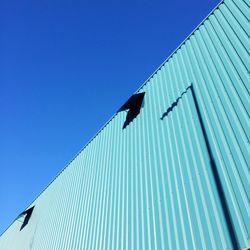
x=170, y=170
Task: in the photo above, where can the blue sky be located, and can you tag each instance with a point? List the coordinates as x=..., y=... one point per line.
x=65, y=69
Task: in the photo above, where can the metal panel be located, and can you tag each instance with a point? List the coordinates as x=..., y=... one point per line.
x=178, y=176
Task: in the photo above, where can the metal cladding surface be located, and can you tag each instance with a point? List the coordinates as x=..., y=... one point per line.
x=177, y=177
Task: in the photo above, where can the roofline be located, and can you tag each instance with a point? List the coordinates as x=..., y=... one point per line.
x=112, y=117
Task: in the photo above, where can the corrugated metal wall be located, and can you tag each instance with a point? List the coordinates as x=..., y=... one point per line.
x=181, y=182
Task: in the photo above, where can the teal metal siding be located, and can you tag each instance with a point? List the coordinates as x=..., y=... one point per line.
x=152, y=185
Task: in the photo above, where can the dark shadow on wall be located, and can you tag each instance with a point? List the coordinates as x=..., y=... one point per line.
x=27, y=213
x=133, y=105
x=175, y=103
x=214, y=168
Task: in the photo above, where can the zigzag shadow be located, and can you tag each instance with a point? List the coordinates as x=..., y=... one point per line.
x=175, y=103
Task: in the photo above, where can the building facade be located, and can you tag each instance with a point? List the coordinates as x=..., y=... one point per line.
x=170, y=170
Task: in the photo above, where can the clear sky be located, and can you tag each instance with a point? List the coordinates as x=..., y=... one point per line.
x=65, y=68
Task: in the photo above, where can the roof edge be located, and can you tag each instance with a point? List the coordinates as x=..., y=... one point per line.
x=112, y=117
